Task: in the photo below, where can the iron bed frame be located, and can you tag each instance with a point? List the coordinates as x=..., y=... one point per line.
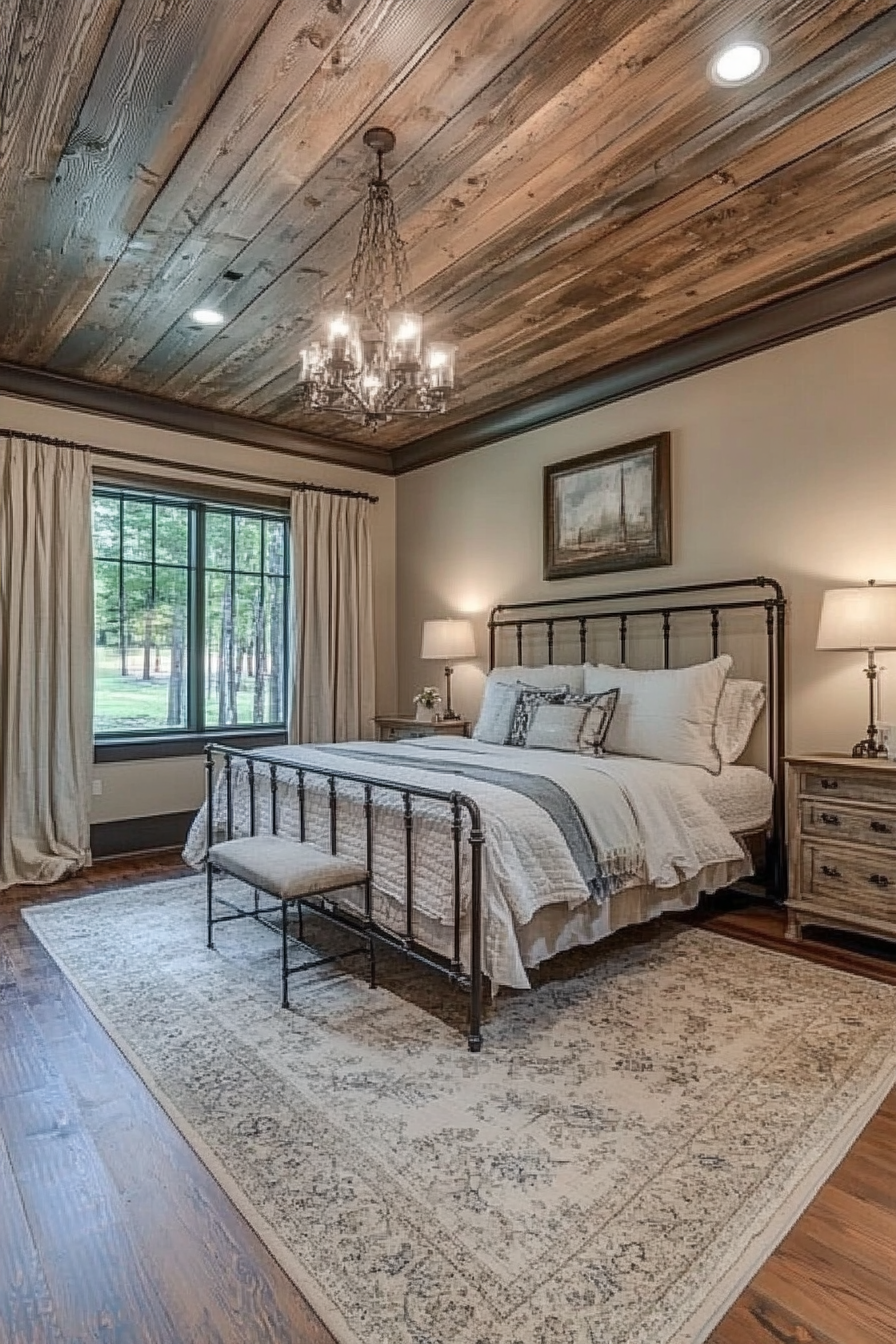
x=581, y=611
x=679, y=601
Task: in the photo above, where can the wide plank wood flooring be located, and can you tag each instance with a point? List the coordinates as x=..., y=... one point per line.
x=112, y=1230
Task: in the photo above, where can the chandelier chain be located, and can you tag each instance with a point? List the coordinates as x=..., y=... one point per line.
x=380, y=256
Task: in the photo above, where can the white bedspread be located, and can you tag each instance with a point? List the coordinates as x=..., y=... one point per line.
x=663, y=817
x=647, y=821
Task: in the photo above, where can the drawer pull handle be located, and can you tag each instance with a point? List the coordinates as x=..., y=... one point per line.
x=881, y=827
x=830, y=784
x=879, y=880
x=830, y=819
x=829, y=871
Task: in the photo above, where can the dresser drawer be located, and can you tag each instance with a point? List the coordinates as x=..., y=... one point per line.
x=836, y=787
x=827, y=818
x=842, y=853
x=863, y=882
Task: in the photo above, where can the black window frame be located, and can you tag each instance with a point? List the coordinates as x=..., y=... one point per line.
x=146, y=744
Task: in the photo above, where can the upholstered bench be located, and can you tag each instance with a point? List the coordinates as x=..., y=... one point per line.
x=289, y=871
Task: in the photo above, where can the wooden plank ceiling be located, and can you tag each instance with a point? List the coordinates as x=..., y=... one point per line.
x=571, y=188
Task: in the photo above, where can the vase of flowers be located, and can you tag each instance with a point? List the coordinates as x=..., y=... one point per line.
x=426, y=702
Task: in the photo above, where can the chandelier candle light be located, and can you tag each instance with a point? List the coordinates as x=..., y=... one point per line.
x=372, y=364
x=446, y=640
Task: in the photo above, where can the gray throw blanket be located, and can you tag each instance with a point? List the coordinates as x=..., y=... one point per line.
x=550, y=796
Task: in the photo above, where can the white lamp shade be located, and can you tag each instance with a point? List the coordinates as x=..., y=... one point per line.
x=448, y=639
x=858, y=618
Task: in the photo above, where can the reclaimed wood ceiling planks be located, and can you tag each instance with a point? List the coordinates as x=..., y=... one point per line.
x=573, y=191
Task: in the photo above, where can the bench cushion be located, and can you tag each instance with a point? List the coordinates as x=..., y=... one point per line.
x=285, y=868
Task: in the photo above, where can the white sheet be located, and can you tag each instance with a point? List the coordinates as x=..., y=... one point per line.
x=651, y=812
x=742, y=795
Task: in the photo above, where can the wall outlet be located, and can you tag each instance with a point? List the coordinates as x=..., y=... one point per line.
x=97, y=788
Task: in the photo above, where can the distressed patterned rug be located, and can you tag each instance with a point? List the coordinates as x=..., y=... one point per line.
x=637, y=1134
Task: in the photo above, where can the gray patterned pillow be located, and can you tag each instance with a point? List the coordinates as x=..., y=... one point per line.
x=496, y=715
x=526, y=702
x=571, y=723
x=597, y=720
x=556, y=727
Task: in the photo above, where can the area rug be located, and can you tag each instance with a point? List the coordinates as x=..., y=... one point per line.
x=638, y=1133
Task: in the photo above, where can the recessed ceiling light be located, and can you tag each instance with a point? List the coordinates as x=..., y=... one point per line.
x=207, y=317
x=738, y=63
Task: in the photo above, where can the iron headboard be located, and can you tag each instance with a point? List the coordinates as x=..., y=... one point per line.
x=666, y=604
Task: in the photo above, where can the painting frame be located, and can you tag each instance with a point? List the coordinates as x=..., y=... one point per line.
x=581, y=494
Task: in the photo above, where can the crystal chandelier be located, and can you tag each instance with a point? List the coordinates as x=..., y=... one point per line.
x=372, y=363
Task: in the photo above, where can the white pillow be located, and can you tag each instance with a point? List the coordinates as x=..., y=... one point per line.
x=666, y=715
x=547, y=678
x=740, y=705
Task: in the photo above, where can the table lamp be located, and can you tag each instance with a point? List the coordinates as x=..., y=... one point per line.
x=447, y=640
x=861, y=619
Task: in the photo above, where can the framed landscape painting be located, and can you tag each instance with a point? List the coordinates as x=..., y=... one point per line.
x=610, y=510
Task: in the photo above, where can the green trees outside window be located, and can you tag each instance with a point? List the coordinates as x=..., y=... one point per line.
x=191, y=616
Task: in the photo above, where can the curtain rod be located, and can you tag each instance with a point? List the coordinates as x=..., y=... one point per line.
x=302, y=486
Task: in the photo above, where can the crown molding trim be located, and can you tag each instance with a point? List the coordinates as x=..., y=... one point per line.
x=858, y=294
x=163, y=413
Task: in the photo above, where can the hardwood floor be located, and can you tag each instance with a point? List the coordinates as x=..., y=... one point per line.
x=832, y=1280
x=112, y=1230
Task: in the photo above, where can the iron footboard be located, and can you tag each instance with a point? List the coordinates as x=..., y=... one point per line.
x=458, y=806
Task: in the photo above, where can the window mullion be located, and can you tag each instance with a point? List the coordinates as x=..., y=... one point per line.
x=286, y=566
x=231, y=697
x=122, y=614
x=198, y=649
x=152, y=554
x=263, y=613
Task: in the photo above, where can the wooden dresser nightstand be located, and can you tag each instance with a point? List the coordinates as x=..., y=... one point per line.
x=393, y=727
x=842, y=829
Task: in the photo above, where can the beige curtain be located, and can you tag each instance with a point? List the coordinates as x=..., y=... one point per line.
x=46, y=660
x=333, y=657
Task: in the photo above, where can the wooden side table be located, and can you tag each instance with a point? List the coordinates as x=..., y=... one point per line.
x=842, y=829
x=393, y=727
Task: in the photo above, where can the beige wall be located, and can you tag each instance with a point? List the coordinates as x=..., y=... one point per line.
x=147, y=788
x=783, y=463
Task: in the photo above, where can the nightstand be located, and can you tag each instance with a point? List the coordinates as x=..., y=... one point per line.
x=842, y=836
x=393, y=727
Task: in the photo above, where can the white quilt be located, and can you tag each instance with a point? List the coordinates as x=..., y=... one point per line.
x=647, y=822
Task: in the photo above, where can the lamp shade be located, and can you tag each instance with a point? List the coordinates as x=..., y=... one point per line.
x=858, y=618
x=448, y=639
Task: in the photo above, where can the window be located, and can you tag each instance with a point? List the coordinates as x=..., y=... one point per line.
x=191, y=616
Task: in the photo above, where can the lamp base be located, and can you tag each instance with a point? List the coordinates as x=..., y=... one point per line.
x=868, y=747
x=450, y=714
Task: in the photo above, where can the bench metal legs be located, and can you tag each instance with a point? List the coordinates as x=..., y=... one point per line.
x=284, y=967
x=286, y=970
x=257, y=912
x=208, y=898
